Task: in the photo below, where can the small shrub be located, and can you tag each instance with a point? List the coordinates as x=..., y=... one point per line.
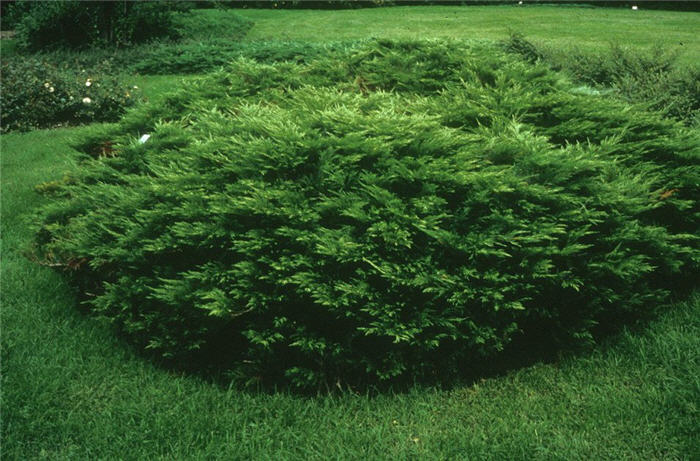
x=518, y=44
x=208, y=25
x=398, y=211
x=41, y=95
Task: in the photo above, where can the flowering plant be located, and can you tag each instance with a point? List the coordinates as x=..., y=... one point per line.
x=37, y=94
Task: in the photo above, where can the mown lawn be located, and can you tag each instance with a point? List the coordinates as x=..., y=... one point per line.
x=154, y=86
x=72, y=390
x=585, y=28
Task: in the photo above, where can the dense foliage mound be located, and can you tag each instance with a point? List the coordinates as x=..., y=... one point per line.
x=401, y=210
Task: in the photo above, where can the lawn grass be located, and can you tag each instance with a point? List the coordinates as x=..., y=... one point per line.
x=154, y=86
x=72, y=390
x=589, y=29
x=8, y=47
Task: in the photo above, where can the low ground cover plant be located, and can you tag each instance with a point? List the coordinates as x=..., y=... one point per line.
x=188, y=57
x=40, y=94
x=199, y=57
x=396, y=211
x=652, y=77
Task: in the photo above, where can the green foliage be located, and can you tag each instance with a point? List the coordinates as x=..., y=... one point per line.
x=213, y=54
x=206, y=25
x=655, y=79
x=633, y=397
x=12, y=13
x=402, y=210
x=79, y=24
x=518, y=44
x=26, y=106
x=37, y=94
x=193, y=57
x=652, y=77
x=207, y=40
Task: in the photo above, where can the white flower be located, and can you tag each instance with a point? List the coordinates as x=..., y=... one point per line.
x=136, y=87
x=47, y=84
x=87, y=100
x=88, y=82
x=50, y=89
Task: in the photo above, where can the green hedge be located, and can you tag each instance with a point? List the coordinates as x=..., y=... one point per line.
x=400, y=211
x=81, y=24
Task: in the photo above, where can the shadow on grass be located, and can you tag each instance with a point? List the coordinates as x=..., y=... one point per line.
x=538, y=346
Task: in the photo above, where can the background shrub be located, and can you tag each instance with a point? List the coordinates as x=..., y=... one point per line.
x=80, y=24
x=402, y=210
x=201, y=26
x=37, y=94
x=207, y=41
